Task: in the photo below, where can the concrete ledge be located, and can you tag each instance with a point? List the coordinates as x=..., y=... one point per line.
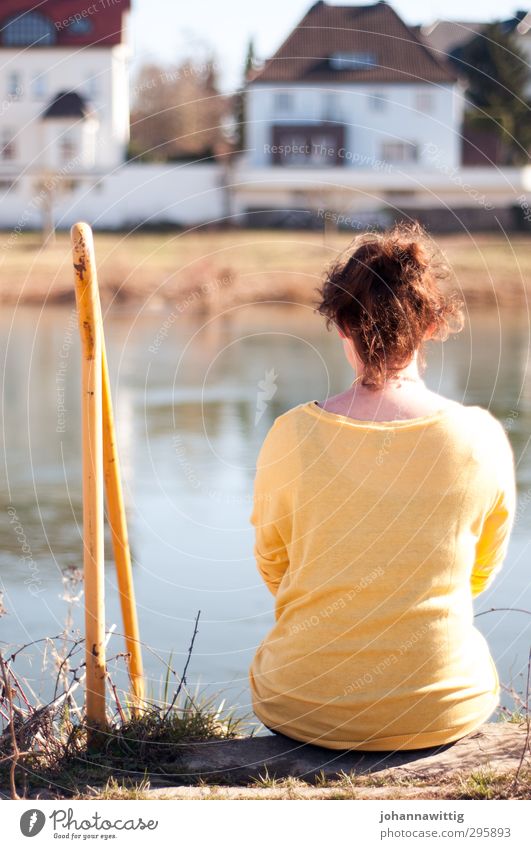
x=495, y=746
x=229, y=769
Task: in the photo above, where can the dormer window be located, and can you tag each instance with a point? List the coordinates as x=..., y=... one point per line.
x=80, y=26
x=359, y=61
x=29, y=29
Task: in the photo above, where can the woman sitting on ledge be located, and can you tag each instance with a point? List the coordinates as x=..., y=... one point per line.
x=379, y=515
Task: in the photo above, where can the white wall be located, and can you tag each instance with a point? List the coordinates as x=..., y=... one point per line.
x=99, y=74
x=353, y=190
x=132, y=195
x=366, y=128
x=137, y=194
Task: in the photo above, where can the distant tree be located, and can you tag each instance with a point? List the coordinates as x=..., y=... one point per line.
x=250, y=59
x=178, y=112
x=249, y=67
x=498, y=77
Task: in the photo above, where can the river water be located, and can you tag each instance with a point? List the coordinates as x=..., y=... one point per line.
x=186, y=391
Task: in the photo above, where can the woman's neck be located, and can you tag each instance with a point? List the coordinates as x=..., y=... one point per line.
x=402, y=396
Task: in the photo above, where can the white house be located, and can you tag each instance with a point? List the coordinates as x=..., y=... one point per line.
x=353, y=87
x=353, y=115
x=52, y=49
x=64, y=100
x=356, y=117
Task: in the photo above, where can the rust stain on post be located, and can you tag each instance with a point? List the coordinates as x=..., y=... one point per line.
x=89, y=339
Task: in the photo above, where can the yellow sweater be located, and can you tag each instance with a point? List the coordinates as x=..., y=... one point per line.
x=374, y=537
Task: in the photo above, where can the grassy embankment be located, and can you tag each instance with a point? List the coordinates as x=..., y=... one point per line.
x=242, y=266
x=44, y=751
x=483, y=784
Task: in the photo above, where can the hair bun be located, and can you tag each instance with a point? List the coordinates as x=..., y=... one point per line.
x=411, y=254
x=385, y=295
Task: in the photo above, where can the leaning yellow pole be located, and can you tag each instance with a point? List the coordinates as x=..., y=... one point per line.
x=93, y=554
x=113, y=488
x=122, y=555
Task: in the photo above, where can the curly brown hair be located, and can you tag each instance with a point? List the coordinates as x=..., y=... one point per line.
x=384, y=294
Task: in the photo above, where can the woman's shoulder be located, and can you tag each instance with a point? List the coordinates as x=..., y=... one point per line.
x=287, y=425
x=484, y=434
x=480, y=417
x=278, y=450
x=290, y=415
x=470, y=420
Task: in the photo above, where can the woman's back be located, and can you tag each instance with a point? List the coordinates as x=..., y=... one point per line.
x=377, y=520
x=374, y=536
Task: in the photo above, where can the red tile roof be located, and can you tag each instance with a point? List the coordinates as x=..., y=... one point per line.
x=325, y=30
x=72, y=23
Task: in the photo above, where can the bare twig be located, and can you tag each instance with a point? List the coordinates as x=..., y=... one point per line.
x=117, y=700
x=64, y=663
x=528, y=720
x=19, y=687
x=33, y=643
x=499, y=609
x=15, y=755
x=182, y=682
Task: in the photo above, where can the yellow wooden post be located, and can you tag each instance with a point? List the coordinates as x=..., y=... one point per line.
x=93, y=554
x=115, y=503
x=122, y=555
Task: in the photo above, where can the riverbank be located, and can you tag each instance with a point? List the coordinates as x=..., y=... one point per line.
x=211, y=271
x=490, y=763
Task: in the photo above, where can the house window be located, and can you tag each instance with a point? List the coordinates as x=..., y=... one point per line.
x=30, y=28
x=377, y=102
x=14, y=85
x=424, y=101
x=330, y=109
x=93, y=87
x=323, y=150
x=67, y=148
x=352, y=61
x=399, y=151
x=292, y=149
x=283, y=102
x=308, y=146
x=7, y=186
x=38, y=86
x=8, y=150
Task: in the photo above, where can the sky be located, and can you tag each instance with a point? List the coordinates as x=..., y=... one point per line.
x=166, y=30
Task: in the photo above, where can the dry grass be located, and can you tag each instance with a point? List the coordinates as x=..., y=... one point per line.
x=44, y=745
x=242, y=265
x=484, y=784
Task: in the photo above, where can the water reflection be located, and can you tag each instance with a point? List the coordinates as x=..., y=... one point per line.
x=186, y=405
